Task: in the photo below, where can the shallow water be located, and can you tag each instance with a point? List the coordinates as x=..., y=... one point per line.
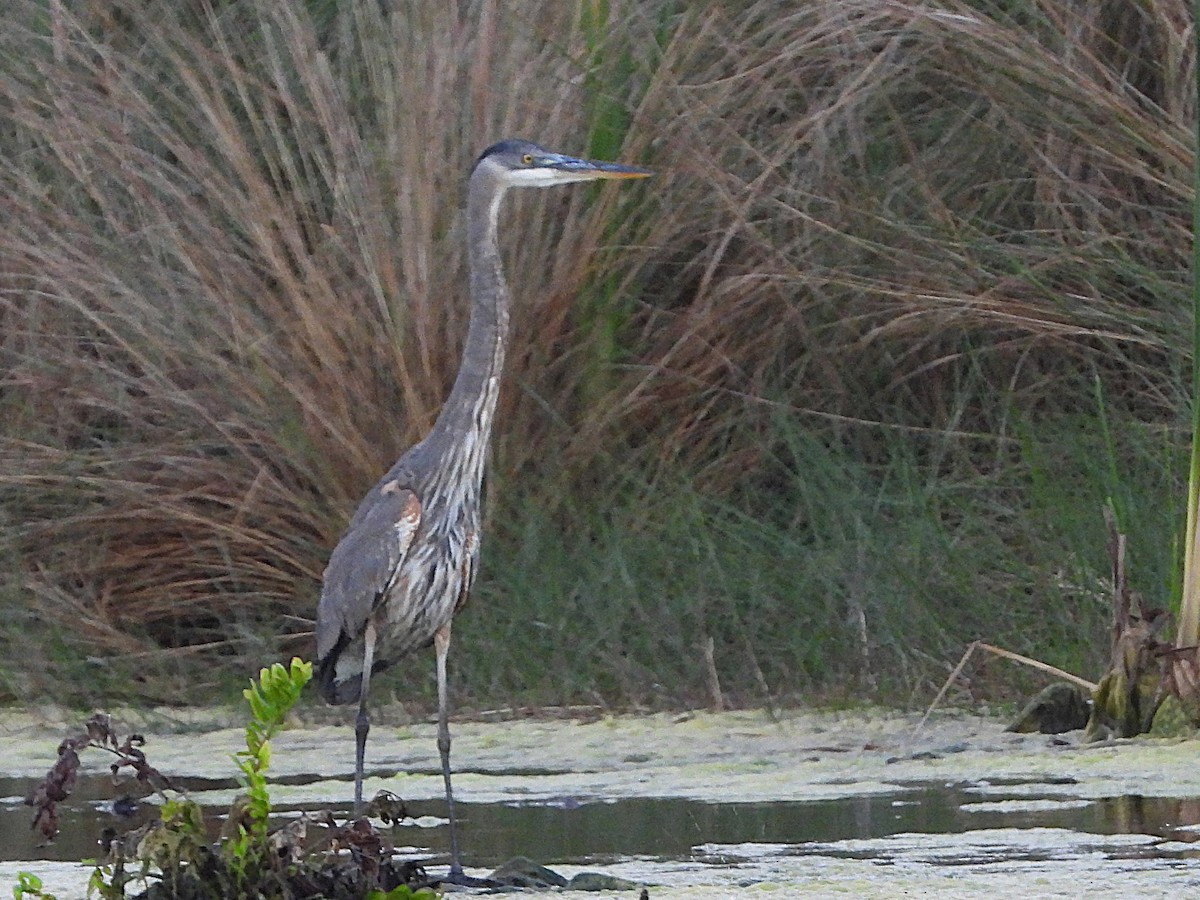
x=570, y=830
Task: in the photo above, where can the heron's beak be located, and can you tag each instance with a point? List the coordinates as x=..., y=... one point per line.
x=569, y=168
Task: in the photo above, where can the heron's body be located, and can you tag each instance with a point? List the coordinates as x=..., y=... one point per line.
x=424, y=555
x=406, y=563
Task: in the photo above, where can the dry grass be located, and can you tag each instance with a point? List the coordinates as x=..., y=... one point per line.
x=231, y=273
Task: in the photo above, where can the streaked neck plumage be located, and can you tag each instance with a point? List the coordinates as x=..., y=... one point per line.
x=464, y=425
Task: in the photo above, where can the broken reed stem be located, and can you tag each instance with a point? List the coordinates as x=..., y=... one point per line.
x=1038, y=664
x=945, y=687
x=1089, y=686
x=761, y=678
x=714, y=681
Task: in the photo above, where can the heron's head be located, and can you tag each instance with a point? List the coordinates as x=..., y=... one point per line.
x=523, y=164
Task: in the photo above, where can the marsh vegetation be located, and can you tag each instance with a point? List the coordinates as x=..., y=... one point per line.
x=906, y=305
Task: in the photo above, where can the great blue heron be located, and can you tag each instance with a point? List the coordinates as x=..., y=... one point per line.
x=408, y=558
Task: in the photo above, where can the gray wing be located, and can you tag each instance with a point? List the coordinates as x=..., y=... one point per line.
x=364, y=563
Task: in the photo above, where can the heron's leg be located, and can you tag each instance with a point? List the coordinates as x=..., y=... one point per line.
x=362, y=724
x=441, y=646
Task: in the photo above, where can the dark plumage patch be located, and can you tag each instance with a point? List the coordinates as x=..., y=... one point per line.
x=331, y=690
x=509, y=146
x=336, y=692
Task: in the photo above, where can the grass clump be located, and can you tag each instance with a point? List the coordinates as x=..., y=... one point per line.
x=812, y=411
x=831, y=578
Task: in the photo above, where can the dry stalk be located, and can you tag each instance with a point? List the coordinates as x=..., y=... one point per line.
x=1006, y=654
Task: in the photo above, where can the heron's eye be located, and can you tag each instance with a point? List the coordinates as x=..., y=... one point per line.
x=527, y=159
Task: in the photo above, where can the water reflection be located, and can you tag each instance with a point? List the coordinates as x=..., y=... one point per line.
x=568, y=830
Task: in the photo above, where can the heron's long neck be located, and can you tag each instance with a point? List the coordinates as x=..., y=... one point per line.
x=465, y=422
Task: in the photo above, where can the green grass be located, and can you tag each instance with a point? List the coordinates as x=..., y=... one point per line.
x=609, y=602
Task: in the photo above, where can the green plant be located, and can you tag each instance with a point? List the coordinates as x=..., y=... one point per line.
x=403, y=892
x=271, y=698
x=30, y=886
x=250, y=860
x=179, y=847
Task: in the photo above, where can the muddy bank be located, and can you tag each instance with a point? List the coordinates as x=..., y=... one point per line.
x=722, y=758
